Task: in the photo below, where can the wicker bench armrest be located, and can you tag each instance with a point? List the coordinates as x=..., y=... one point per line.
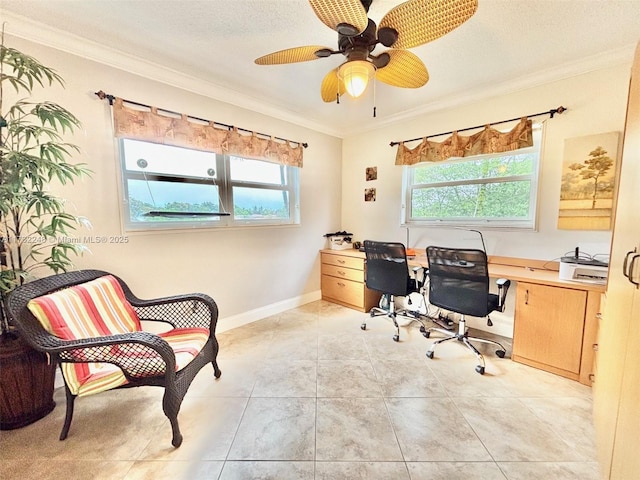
x=138, y=354
x=193, y=310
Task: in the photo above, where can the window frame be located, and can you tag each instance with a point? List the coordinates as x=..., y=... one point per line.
x=289, y=174
x=504, y=223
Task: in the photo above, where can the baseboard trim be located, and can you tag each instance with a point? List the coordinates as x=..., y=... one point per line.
x=235, y=321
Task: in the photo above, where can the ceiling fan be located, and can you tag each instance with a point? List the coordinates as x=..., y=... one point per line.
x=412, y=23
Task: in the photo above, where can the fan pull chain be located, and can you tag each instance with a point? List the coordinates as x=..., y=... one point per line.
x=374, y=98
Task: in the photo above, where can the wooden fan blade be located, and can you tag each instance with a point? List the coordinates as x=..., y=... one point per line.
x=404, y=70
x=347, y=17
x=290, y=55
x=420, y=21
x=331, y=87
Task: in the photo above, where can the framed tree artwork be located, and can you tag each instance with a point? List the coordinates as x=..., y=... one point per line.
x=589, y=178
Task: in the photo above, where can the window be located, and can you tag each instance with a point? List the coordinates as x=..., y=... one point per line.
x=174, y=187
x=496, y=190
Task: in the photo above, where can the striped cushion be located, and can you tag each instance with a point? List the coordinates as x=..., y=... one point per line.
x=92, y=309
x=186, y=343
x=88, y=378
x=99, y=308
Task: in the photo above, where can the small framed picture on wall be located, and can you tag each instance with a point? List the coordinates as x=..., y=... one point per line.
x=369, y=194
x=371, y=173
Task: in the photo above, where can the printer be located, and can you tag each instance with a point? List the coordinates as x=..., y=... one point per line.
x=584, y=270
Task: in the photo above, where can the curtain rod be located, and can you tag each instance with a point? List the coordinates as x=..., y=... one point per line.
x=551, y=113
x=101, y=95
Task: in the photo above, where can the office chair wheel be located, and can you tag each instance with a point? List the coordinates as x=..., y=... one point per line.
x=363, y=326
x=480, y=369
x=426, y=334
x=396, y=338
x=429, y=354
x=422, y=329
x=500, y=353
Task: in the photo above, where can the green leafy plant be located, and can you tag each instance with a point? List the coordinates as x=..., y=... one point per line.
x=35, y=228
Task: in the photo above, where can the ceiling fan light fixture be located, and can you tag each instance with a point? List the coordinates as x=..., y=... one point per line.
x=355, y=76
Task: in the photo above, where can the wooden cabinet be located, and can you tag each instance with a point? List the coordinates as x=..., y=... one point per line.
x=343, y=280
x=616, y=396
x=555, y=329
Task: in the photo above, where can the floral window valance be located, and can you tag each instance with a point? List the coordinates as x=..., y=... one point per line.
x=489, y=140
x=152, y=125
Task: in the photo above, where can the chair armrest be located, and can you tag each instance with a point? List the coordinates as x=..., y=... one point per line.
x=180, y=311
x=419, y=282
x=503, y=288
x=138, y=354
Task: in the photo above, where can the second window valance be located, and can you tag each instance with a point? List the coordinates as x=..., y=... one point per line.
x=489, y=140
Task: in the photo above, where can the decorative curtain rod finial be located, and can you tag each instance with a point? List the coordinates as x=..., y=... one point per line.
x=560, y=110
x=101, y=95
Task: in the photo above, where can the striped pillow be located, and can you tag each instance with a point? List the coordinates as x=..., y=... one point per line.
x=92, y=309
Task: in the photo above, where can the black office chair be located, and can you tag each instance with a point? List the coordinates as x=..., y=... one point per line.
x=459, y=282
x=387, y=271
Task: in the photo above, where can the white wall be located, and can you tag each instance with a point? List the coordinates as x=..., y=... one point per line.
x=596, y=103
x=250, y=272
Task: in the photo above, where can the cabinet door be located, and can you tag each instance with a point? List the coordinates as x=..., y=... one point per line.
x=617, y=386
x=626, y=461
x=612, y=346
x=548, y=325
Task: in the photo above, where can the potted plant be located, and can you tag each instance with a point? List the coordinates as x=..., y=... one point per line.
x=35, y=229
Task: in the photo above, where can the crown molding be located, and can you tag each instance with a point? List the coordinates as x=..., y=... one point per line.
x=37, y=32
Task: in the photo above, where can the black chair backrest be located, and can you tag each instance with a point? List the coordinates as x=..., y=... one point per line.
x=459, y=280
x=387, y=270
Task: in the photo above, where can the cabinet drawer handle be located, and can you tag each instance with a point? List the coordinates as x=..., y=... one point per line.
x=340, y=284
x=340, y=272
x=341, y=261
x=599, y=316
x=526, y=297
x=595, y=347
x=592, y=378
x=631, y=268
x=626, y=261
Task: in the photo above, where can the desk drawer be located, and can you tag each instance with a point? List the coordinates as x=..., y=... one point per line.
x=343, y=291
x=343, y=261
x=343, y=272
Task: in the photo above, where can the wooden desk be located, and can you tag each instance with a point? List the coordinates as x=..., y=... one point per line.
x=524, y=270
x=556, y=321
x=555, y=324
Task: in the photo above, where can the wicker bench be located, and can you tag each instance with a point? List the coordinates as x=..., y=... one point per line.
x=90, y=322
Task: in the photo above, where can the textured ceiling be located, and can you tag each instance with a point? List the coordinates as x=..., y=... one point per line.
x=209, y=46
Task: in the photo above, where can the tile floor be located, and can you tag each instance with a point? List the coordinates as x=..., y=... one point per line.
x=307, y=394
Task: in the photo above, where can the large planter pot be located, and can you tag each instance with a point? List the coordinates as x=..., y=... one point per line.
x=26, y=383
